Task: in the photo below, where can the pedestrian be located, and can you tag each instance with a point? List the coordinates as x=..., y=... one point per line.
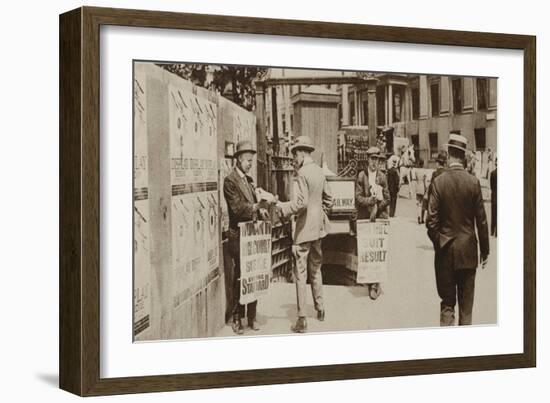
x=419, y=179
x=310, y=203
x=242, y=206
x=441, y=165
x=372, y=196
x=455, y=211
x=494, y=198
x=393, y=183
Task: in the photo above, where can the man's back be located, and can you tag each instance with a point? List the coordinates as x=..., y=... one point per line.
x=310, y=194
x=455, y=209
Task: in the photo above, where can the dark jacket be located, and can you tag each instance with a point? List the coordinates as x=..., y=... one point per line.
x=393, y=181
x=455, y=209
x=493, y=182
x=365, y=200
x=240, y=204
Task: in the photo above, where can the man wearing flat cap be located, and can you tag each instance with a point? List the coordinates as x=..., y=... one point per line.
x=455, y=211
x=242, y=206
x=310, y=203
x=371, y=189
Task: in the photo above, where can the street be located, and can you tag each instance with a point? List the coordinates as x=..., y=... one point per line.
x=409, y=298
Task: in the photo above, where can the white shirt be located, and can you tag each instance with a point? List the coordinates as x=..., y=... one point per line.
x=372, y=177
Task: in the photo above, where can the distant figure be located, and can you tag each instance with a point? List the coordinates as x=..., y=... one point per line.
x=419, y=178
x=455, y=210
x=393, y=183
x=494, y=199
x=406, y=163
x=309, y=204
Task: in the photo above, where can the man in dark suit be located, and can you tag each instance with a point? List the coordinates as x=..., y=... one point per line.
x=393, y=183
x=455, y=210
x=242, y=206
x=493, y=181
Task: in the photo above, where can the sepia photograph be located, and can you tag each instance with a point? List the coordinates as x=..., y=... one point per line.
x=278, y=201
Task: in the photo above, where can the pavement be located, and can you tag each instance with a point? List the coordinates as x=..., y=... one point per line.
x=409, y=298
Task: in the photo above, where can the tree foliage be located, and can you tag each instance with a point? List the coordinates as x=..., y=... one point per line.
x=234, y=82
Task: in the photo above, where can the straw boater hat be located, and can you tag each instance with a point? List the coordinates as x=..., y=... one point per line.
x=244, y=146
x=302, y=143
x=457, y=141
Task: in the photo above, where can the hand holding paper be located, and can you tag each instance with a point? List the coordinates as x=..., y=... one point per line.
x=263, y=195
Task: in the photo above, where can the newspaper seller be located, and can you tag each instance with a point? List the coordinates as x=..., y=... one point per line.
x=242, y=205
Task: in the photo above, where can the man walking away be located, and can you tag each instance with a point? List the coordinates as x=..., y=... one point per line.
x=455, y=211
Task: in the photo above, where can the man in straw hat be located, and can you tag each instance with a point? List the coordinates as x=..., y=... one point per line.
x=242, y=206
x=310, y=202
x=455, y=210
x=371, y=189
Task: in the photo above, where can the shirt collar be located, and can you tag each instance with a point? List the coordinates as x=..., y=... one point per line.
x=241, y=173
x=456, y=165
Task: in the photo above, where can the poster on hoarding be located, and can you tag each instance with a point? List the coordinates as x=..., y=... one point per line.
x=142, y=241
x=255, y=256
x=194, y=181
x=372, y=251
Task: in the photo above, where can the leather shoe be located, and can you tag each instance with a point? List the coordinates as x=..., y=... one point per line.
x=237, y=326
x=321, y=315
x=300, y=326
x=253, y=324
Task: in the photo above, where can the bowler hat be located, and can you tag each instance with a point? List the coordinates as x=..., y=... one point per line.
x=244, y=146
x=442, y=157
x=302, y=143
x=457, y=141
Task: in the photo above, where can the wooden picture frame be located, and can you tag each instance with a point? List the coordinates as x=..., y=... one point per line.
x=79, y=346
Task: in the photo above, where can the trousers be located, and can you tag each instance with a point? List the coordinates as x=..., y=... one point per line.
x=454, y=285
x=309, y=258
x=393, y=204
x=239, y=309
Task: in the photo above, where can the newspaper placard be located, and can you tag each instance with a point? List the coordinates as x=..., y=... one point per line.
x=255, y=256
x=372, y=251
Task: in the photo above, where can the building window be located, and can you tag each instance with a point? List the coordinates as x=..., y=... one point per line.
x=365, y=112
x=434, y=96
x=433, y=145
x=283, y=120
x=415, y=140
x=415, y=95
x=482, y=93
x=479, y=135
x=340, y=116
x=380, y=106
x=352, y=112
x=291, y=122
x=398, y=97
x=457, y=95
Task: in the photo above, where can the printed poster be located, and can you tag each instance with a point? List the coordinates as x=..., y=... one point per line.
x=142, y=250
x=194, y=180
